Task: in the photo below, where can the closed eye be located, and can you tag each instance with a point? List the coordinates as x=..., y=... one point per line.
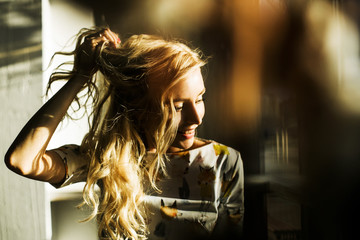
x=180, y=103
x=178, y=108
x=202, y=99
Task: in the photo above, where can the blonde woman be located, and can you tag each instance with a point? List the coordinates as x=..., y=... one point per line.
x=156, y=179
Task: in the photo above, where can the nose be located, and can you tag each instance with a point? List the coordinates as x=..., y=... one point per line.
x=194, y=114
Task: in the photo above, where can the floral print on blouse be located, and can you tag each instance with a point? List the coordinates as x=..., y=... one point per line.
x=201, y=195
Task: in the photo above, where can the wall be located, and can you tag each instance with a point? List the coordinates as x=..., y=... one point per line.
x=62, y=19
x=22, y=201
x=31, y=31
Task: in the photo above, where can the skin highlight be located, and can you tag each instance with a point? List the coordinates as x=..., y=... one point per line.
x=188, y=101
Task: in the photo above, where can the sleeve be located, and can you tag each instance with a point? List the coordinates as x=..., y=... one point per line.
x=231, y=209
x=76, y=164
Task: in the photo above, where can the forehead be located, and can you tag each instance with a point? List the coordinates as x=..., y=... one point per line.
x=191, y=83
x=191, y=86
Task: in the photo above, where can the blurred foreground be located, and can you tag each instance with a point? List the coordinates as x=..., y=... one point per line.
x=283, y=87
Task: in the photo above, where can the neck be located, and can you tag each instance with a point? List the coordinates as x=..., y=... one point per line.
x=197, y=143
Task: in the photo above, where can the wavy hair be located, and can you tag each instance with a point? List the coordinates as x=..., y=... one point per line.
x=131, y=112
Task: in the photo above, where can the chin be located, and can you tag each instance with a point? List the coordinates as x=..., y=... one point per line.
x=179, y=145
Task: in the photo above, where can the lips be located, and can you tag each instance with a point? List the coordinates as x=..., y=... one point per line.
x=187, y=133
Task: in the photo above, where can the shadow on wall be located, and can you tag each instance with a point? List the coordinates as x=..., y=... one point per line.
x=20, y=25
x=22, y=201
x=66, y=215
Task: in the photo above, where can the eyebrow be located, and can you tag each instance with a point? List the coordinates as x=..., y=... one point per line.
x=182, y=100
x=202, y=92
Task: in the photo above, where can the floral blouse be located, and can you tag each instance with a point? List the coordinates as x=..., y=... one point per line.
x=201, y=196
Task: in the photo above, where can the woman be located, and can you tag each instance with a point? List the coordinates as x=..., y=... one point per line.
x=157, y=180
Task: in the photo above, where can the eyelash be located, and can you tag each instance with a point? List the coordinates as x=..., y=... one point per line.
x=197, y=101
x=178, y=109
x=200, y=100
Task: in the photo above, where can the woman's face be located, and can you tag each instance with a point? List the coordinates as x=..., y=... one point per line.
x=187, y=95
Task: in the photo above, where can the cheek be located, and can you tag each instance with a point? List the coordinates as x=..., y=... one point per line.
x=202, y=110
x=178, y=118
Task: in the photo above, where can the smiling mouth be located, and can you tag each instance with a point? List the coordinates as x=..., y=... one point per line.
x=187, y=133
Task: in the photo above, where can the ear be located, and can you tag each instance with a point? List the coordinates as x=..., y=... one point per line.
x=162, y=203
x=174, y=205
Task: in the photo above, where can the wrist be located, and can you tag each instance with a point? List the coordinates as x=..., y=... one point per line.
x=83, y=75
x=81, y=78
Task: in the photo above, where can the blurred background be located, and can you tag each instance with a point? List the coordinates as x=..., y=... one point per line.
x=283, y=88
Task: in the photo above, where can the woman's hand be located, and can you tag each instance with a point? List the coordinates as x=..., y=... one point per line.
x=87, y=53
x=27, y=155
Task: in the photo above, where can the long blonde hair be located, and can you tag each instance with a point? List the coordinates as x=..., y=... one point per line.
x=126, y=119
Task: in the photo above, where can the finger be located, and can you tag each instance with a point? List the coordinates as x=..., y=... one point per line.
x=114, y=38
x=93, y=44
x=105, y=36
x=111, y=36
x=97, y=41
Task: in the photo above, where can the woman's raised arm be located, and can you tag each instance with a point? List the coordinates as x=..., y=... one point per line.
x=27, y=155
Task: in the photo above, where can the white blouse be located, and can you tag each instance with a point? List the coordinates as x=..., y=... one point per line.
x=201, y=197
